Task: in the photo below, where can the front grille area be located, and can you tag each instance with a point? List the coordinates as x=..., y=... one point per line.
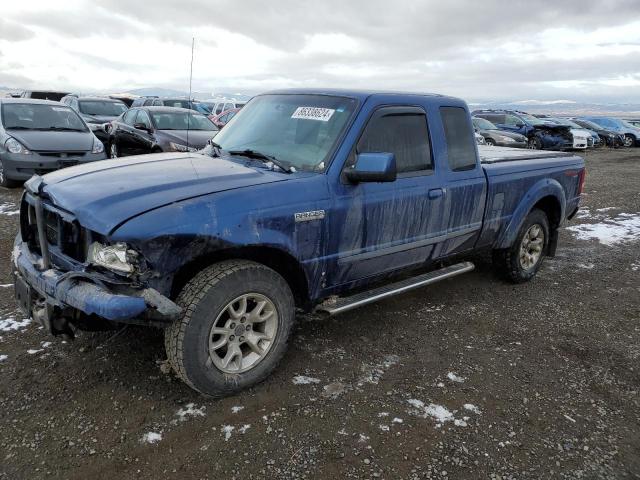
x=64, y=235
x=62, y=155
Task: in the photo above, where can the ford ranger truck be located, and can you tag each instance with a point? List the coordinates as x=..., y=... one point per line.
x=308, y=200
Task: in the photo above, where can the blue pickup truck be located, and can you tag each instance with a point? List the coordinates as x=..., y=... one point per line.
x=308, y=200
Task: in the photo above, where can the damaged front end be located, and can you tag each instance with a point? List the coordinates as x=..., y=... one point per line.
x=554, y=137
x=68, y=277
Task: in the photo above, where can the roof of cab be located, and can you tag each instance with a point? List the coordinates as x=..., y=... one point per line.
x=357, y=94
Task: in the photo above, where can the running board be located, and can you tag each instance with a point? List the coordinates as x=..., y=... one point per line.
x=358, y=300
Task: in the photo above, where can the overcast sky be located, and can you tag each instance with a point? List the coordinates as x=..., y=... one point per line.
x=578, y=50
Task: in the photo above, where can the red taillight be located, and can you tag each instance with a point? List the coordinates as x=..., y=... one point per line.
x=583, y=175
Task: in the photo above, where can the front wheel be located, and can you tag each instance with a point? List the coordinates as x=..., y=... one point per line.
x=113, y=150
x=520, y=262
x=237, y=318
x=4, y=181
x=491, y=142
x=535, y=144
x=629, y=140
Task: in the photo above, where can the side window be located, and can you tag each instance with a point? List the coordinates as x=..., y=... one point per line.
x=130, y=116
x=495, y=118
x=157, y=103
x=148, y=102
x=143, y=118
x=512, y=120
x=461, y=145
x=219, y=108
x=402, y=131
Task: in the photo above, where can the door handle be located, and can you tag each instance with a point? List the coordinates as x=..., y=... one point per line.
x=435, y=193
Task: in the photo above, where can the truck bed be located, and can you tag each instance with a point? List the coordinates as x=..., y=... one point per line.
x=505, y=154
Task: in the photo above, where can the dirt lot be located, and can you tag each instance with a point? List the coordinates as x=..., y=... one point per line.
x=470, y=378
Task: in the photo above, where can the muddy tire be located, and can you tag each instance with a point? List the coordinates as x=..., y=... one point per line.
x=523, y=259
x=237, y=318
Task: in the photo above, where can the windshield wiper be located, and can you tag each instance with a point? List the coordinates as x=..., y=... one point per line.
x=60, y=129
x=18, y=127
x=262, y=156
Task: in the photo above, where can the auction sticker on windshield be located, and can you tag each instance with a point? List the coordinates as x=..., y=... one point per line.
x=313, y=113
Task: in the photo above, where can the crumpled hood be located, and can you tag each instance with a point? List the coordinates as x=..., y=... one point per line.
x=39, y=141
x=104, y=194
x=99, y=118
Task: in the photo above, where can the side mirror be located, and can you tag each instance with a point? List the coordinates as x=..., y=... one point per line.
x=141, y=126
x=373, y=167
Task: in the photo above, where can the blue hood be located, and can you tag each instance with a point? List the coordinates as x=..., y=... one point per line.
x=104, y=194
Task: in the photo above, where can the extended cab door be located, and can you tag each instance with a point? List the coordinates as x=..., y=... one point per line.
x=381, y=227
x=466, y=185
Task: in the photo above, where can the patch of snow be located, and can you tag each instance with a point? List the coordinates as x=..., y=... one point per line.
x=459, y=423
x=569, y=418
x=227, y=429
x=151, y=437
x=397, y=420
x=33, y=351
x=605, y=209
x=472, y=408
x=6, y=285
x=45, y=344
x=190, y=410
x=10, y=324
x=9, y=209
x=236, y=409
x=454, y=378
x=3, y=357
x=624, y=228
x=373, y=373
x=304, y=380
x=384, y=428
x=244, y=428
x=586, y=266
x=438, y=412
x=383, y=414
x=363, y=438
x=635, y=267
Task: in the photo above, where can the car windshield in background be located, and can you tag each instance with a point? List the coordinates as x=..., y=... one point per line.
x=107, y=109
x=534, y=120
x=33, y=116
x=177, y=103
x=484, y=124
x=182, y=120
x=297, y=130
x=589, y=124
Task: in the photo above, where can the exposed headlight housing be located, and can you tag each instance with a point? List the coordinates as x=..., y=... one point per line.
x=14, y=146
x=178, y=147
x=98, y=147
x=118, y=257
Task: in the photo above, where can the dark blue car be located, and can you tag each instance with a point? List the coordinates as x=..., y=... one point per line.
x=631, y=132
x=320, y=200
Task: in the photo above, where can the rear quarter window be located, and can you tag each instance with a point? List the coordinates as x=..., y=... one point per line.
x=461, y=147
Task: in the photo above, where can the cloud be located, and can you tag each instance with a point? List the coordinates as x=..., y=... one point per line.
x=477, y=50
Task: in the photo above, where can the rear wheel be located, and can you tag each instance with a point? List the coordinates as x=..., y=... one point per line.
x=523, y=259
x=113, y=150
x=4, y=181
x=235, y=327
x=491, y=142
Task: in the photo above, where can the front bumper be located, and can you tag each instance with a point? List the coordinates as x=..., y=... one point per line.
x=61, y=293
x=23, y=167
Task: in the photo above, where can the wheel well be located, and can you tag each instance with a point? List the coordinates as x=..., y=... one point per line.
x=274, y=258
x=551, y=207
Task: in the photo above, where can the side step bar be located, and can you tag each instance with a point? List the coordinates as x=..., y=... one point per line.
x=349, y=303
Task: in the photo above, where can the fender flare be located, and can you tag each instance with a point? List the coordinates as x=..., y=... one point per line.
x=543, y=188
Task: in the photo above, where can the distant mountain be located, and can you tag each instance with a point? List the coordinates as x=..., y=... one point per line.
x=158, y=92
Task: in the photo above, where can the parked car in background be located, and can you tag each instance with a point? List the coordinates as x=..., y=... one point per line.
x=224, y=105
x=143, y=130
x=43, y=95
x=540, y=134
x=633, y=121
x=97, y=112
x=593, y=139
x=171, y=102
x=222, y=119
x=321, y=200
x=144, y=101
x=124, y=98
x=479, y=139
x=494, y=136
x=40, y=136
x=608, y=137
x=630, y=132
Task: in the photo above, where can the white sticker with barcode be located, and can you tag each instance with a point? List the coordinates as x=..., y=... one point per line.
x=313, y=113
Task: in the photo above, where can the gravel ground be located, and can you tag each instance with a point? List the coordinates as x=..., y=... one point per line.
x=469, y=378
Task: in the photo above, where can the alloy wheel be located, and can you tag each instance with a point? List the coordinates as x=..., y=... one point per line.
x=113, y=151
x=243, y=333
x=531, y=247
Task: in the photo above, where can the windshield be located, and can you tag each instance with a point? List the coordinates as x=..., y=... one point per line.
x=628, y=124
x=177, y=103
x=102, y=108
x=533, y=120
x=202, y=108
x=564, y=121
x=298, y=130
x=588, y=124
x=33, y=116
x=180, y=120
x=483, y=124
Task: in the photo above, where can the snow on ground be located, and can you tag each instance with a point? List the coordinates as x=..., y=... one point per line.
x=10, y=324
x=373, y=373
x=6, y=285
x=9, y=209
x=440, y=413
x=472, y=408
x=236, y=409
x=190, y=410
x=3, y=357
x=623, y=228
x=455, y=378
x=151, y=437
x=227, y=429
x=304, y=380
